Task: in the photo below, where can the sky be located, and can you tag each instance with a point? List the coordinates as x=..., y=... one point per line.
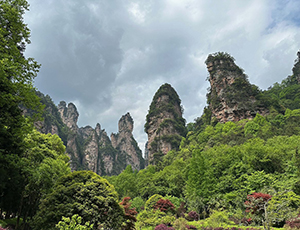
x=109, y=57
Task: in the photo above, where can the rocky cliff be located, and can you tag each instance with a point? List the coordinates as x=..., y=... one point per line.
x=231, y=96
x=124, y=142
x=90, y=148
x=165, y=125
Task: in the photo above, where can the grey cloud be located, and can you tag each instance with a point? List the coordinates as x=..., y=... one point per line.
x=110, y=57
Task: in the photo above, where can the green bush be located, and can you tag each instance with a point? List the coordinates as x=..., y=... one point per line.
x=149, y=218
x=152, y=201
x=73, y=224
x=218, y=219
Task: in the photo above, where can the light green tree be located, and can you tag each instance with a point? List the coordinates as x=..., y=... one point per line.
x=73, y=224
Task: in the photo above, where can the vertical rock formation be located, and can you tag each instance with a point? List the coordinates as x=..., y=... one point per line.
x=125, y=142
x=92, y=149
x=164, y=123
x=296, y=69
x=69, y=116
x=231, y=96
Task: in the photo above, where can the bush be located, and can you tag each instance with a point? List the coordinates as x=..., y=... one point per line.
x=164, y=206
x=138, y=203
x=161, y=227
x=73, y=224
x=152, y=201
x=193, y=216
x=293, y=223
x=218, y=219
x=149, y=218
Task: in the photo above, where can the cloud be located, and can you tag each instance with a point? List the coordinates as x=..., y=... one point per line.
x=110, y=57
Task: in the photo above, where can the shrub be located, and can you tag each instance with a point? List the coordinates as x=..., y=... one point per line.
x=138, y=203
x=218, y=218
x=73, y=224
x=130, y=214
x=164, y=206
x=193, y=216
x=256, y=202
x=181, y=210
x=293, y=223
x=161, y=227
x=152, y=201
x=180, y=223
x=149, y=218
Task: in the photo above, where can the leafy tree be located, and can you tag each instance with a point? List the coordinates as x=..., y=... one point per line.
x=16, y=77
x=130, y=214
x=73, y=224
x=164, y=205
x=124, y=182
x=257, y=204
x=43, y=163
x=86, y=194
x=138, y=203
x=283, y=206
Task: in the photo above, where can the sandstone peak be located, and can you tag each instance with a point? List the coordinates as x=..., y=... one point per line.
x=125, y=142
x=165, y=125
x=231, y=96
x=69, y=115
x=126, y=123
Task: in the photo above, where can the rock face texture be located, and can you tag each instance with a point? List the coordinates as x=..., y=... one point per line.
x=125, y=142
x=296, y=68
x=90, y=148
x=231, y=96
x=165, y=125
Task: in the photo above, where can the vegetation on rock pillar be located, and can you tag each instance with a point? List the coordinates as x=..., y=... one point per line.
x=231, y=96
x=165, y=125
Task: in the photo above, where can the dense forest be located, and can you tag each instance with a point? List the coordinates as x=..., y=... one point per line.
x=241, y=174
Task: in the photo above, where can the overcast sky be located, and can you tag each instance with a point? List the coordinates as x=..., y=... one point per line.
x=109, y=57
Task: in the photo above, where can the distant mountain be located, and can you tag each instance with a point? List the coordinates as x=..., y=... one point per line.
x=91, y=148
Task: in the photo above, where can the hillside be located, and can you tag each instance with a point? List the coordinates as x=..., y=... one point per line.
x=238, y=147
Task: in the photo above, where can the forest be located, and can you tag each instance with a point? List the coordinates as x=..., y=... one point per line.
x=232, y=175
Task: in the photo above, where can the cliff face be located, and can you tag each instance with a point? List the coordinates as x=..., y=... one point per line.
x=164, y=124
x=90, y=148
x=231, y=96
x=125, y=142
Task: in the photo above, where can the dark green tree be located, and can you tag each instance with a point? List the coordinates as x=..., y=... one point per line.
x=16, y=77
x=84, y=193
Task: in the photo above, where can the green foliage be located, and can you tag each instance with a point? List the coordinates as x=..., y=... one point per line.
x=73, y=224
x=225, y=60
x=123, y=183
x=43, y=163
x=283, y=206
x=138, y=203
x=152, y=201
x=83, y=193
x=16, y=80
x=180, y=224
x=218, y=219
x=153, y=218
